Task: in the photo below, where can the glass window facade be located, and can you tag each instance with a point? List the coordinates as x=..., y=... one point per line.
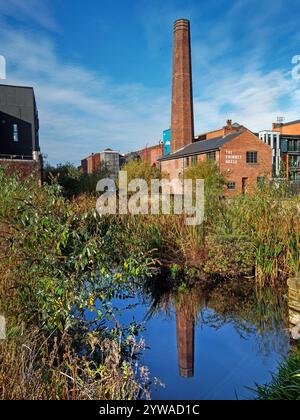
x=293, y=146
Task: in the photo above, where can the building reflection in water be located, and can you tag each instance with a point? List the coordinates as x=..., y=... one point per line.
x=187, y=309
x=185, y=328
x=262, y=313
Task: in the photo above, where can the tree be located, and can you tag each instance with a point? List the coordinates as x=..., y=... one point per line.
x=214, y=184
x=72, y=181
x=139, y=169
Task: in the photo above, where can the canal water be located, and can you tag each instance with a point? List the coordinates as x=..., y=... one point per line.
x=210, y=344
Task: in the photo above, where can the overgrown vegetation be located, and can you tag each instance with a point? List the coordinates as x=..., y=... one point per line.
x=72, y=180
x=62, y=265
x=140, y=169
x=59, y=276
x=257, y=234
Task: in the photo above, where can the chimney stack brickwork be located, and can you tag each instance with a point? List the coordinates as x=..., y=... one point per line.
x=185, y=329
x=182, y=127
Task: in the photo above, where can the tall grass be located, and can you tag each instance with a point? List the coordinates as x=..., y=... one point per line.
x=34, y=368
x=285, y=384
x=269, y=222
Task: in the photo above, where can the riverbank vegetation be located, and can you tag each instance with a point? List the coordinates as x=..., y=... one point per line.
x=285, y=384
x=257, y=234
x=62, y=266
x=58, y=281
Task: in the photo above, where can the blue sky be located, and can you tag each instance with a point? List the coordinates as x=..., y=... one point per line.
x=102, y=69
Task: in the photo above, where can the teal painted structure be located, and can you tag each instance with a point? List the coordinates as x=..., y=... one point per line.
x=167, y=142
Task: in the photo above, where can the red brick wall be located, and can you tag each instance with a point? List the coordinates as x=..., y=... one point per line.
x=173, y=168
x=289, y=129
x=91, y=164
x=24, y=168
x=151, y=154
x=233, y=161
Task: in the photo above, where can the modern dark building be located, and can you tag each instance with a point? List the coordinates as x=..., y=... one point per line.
x=19, y=129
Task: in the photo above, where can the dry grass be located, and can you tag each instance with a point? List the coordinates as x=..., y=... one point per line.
x=30, y=371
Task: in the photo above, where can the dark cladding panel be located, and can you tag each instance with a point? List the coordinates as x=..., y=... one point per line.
x=18, y=107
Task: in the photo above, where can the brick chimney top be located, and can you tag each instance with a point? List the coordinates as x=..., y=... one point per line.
x=183, y=24
x=228, y=127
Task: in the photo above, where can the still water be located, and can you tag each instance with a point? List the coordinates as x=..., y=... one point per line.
x=211, y=344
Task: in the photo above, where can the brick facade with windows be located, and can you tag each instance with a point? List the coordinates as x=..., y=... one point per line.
x=233, y=161
x=230, y=152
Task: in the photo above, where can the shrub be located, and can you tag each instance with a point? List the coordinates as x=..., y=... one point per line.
x=57, y=265
x=72, y=181
x=139, y=169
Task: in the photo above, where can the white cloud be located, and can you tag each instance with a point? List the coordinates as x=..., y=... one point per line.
x=37, y=11
x=81, y=111
x=254, y=99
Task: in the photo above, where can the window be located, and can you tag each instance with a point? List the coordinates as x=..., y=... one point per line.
x=295, y=176
x=194, y=160
x=284, y=145
x=187, y=161
x=231, y=185
x=252, y=157
x=211, y=156
x=16, y=133
x=294, y=145
x=294, y=162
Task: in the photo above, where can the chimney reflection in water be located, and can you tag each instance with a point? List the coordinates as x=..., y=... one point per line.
x=185, y=328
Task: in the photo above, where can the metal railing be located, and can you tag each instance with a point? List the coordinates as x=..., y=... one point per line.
x=16, y=157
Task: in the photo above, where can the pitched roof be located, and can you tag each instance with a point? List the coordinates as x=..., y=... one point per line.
x=202, y=146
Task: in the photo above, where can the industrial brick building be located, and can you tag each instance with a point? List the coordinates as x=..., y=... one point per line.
x=150, y=154
x=109, y=160
x=91, y=164
x=19, y=131
x=239, y=153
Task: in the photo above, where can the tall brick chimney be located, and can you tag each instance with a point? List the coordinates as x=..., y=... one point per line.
x=182, y=127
